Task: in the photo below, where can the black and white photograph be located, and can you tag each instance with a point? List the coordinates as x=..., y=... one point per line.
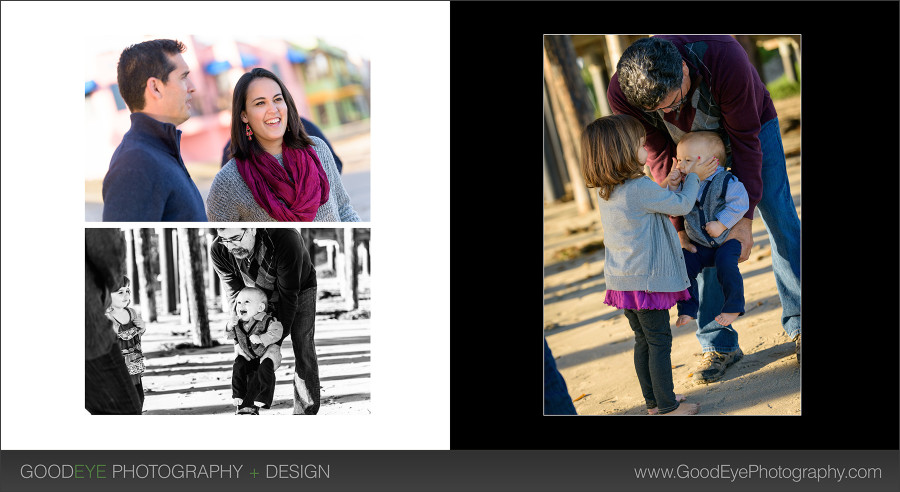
x=227, y=321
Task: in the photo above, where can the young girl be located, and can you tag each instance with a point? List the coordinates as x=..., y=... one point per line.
x=645, y=271
x=129, y=326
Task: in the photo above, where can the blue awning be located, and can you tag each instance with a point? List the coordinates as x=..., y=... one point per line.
x=89, y=86
x=248, y=60
x=217, y=67
x=296, y=56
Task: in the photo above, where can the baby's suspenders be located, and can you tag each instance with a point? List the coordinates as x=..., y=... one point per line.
x=244, y=337
x=702, y=207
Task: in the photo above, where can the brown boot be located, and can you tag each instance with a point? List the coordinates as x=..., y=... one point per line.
x=713, y=365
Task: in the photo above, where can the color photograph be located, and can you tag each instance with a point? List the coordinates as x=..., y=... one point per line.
x=196, y=128
x=672, y=225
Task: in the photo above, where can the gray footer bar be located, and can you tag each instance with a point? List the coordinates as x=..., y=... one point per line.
x=397, y=471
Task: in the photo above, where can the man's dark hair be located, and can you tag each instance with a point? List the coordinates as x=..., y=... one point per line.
x=648, y=71
x=295, y=137
x=139, y=62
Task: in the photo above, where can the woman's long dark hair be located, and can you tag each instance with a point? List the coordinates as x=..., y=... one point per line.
x=241, y=147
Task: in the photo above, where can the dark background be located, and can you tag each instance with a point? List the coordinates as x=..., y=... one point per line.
x=850, y=228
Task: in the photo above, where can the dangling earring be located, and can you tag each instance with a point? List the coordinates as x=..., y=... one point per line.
x=249, y=132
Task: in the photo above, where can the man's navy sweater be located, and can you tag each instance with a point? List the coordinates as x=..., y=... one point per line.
x=147, y=180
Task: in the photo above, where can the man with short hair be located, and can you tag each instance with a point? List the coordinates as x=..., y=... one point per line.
x=147, y=179
x=277, y=262
x=679, y=84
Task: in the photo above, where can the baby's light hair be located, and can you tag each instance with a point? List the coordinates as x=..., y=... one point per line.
x=711, y=139
x=258, y=294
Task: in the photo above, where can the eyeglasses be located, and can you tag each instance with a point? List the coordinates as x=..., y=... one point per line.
x=672, y=106
x=232, y=240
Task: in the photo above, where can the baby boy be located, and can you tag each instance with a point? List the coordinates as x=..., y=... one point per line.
x=721, y=203
x=256, y=336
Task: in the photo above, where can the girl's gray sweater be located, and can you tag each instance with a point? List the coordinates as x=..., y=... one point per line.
x=230, y=200
x=642, y=248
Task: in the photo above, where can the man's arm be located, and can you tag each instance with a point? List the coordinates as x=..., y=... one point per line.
x=289, y=270
x=132, y=189
x=733, y=86
x=227, y=270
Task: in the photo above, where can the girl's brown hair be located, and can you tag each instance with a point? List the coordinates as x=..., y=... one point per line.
x=609, y=152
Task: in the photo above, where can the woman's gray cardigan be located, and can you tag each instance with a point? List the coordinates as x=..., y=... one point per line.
x=642, y=248
x=230, y=200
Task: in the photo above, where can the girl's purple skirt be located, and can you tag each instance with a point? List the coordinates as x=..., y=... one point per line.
x=636, y=299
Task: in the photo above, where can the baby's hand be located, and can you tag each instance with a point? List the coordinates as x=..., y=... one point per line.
x=229, y=328
x=255, y=338
x=715, y=228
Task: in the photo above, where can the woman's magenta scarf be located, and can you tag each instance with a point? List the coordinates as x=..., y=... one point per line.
x=292, y=193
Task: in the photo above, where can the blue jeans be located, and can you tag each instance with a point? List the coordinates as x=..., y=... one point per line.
x=779, y=215
x=556, y=395
x=306, y=364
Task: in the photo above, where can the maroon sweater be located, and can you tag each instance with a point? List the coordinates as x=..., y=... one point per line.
x=737, y=89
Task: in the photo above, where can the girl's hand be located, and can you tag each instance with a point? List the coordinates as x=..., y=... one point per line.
x=675, y=176
x=703, y=169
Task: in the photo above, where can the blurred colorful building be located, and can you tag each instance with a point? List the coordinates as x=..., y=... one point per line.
x=327, y=87
x=336, y=88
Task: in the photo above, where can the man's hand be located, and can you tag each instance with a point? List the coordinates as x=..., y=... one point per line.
x=255, y=338
x=686, y=242
x=715, y=228
x=238, y=351
x=743, y=232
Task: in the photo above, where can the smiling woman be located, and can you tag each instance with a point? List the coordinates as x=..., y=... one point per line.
x=278, y=173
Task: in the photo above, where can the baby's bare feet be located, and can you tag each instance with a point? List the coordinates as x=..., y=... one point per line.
x=654, y=411
x=685, y=409
x=726, y=319
x=682, y=320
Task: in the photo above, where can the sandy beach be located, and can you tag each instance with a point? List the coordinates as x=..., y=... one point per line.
x=593, y=343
